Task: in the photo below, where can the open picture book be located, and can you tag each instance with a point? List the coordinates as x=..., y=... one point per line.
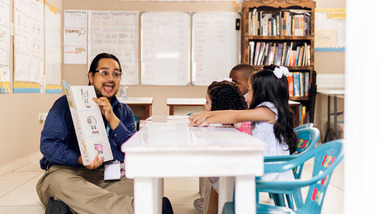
x=88, y=123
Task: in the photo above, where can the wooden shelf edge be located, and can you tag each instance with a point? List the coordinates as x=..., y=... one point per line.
x=281, y=38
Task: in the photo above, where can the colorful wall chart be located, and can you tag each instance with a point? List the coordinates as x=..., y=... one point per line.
x=330, y=29
x=5, y=77
x=28, y=46
x=53, y=62
x=75, y=37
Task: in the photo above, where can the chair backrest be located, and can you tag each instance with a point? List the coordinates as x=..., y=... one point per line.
x=307, y=138
x=137, y=123
x=306, y=125
x=326, y=158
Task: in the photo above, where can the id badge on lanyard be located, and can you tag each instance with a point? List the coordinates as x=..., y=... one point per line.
x=112, y=170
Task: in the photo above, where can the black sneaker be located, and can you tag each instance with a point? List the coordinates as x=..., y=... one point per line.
x=166, y=206
x=57, y=207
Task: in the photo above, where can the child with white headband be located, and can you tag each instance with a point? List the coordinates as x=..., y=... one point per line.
x=269, y=113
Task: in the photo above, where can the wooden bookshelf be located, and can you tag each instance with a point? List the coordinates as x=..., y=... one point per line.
x=285, y=22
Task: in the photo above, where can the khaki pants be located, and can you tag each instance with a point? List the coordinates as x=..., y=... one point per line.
x=85, y=191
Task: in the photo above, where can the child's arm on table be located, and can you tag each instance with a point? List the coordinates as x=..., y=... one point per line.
x=204, y=118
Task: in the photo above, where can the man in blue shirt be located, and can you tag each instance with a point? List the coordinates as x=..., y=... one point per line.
x=69, y=183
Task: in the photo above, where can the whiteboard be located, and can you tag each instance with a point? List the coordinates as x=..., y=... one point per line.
x=215, y=46
x=116, y=32
x=165, y=48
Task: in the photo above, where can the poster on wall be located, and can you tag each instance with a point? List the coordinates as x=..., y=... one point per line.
x=116, y=32
x=5, y=77
x=28, y=46
x=330, y=30
x=75, y=37
x=52, y=50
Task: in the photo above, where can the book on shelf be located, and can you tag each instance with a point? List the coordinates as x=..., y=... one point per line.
x=289, y=50
x=257, y=52
x=296, y=82
x=271, y=54
x=302, y=84
x=251, y=51
x=261, y=53
x=307, y=84
x=291, y=84
x=88, y=123
x=299, y=84
x=279, y=51
x=303, y=116
x=287, y=22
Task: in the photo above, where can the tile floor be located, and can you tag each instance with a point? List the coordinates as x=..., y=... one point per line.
x=18, y=194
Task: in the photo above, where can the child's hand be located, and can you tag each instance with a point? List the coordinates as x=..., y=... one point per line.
x=199, y=119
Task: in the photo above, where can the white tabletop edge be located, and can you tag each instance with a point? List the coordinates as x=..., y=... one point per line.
x=331, y=91
x=185, y=101
x=136, y=100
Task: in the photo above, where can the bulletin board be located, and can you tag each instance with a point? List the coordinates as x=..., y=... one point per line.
x=165, y=48
x=5, y=77
x=53, y=55
x=28, y=46
x=215, y=46
x=116, y=32
x=330, y=29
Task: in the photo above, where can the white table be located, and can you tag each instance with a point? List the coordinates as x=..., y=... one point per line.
x=145, y=102
x=171, y=148
x=172, y=102
x=336, y=93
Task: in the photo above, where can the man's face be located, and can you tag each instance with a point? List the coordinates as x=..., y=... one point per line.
x=105, y=80
x=241, y=82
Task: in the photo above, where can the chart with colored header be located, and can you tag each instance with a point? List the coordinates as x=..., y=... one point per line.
x=330, y=29
x=5, y=76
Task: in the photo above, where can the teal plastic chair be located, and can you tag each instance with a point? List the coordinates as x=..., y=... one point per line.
x=307, y=138
x=306, y=125
x=326, y=158
x=137, y=123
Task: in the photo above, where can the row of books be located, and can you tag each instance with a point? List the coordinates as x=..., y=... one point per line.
x=290, y=22
x=299, y=84
x=285, y=53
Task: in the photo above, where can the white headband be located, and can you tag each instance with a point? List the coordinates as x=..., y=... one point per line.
x=281, y=71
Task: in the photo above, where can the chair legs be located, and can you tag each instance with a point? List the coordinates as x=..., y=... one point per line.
x=278, y=199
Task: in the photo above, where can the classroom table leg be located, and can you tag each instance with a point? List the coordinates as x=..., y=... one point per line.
x=336, y=118
x=226, y=186
x=245, y=194
x=328, y=119
x=148, y=194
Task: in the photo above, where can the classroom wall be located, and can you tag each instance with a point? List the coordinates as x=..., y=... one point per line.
x=328, y=62
x=76, y=74
x=19, y=125
x=325, y=62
